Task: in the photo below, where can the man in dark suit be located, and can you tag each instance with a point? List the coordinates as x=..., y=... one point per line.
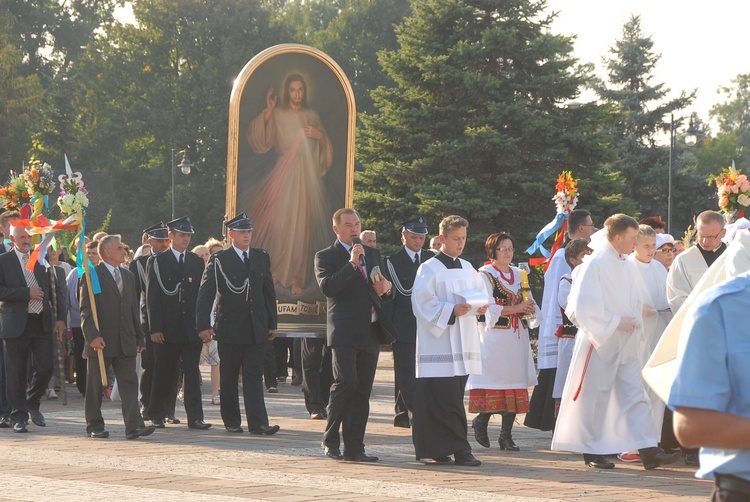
x=174, y=277
x=115, y=329
x=26, y=325
x=356, y=326
x=238, y=282
x=401, y=269
x=158, y=239
x=5, y=246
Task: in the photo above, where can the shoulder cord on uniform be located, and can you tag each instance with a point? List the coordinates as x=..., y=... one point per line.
x=142, y=275
x=173, y=292
x=394, y=278
x=234, y=289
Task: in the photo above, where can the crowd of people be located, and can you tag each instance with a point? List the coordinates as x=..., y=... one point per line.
x=608, y=296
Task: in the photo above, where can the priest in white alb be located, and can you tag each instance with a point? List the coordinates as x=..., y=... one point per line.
x=447, y=297
x=604, y=406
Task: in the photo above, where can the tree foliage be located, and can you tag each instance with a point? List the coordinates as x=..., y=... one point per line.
x=477, y=123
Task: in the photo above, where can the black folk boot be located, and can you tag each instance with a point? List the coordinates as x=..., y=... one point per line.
x=479, y=424
x=506, y=440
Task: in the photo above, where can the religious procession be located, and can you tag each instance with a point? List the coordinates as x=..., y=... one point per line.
x=368, y=250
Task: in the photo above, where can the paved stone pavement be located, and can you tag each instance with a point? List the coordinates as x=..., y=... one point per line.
x=58, y=462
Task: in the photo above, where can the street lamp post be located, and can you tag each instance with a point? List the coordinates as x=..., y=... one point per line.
x=185, y=166
x=669, y=187
x=691, y=138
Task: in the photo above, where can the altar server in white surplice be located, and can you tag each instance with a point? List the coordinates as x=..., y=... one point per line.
x=447, y=347
x=542, y=407
x=604, y=406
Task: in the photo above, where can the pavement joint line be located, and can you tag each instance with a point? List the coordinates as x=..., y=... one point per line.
x=197, y=465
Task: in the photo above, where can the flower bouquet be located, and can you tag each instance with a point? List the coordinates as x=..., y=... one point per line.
x=40, y=181
x=13, y=195
x=566, y=197
x=733, y=190
x=73, y=195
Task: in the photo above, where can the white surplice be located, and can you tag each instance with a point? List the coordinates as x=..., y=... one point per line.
x=685, y=272
x=604, y=407
x=564, y=345
x=654, y=277
x=446, y=350
x=507, y=361
x=551, y=315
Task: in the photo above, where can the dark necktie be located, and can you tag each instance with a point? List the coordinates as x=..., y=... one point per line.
x=182, y=259
x=416, y=259
x=246, y=260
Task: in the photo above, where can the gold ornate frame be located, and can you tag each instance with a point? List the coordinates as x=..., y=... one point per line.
x=234, y=116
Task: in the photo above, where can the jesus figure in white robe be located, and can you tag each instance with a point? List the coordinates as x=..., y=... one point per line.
x=604, y=407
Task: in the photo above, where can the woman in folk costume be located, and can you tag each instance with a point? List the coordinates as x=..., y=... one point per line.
x=507, y=361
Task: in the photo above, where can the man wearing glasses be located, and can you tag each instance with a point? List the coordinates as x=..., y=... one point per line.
x=690, y=266
x=686, y=270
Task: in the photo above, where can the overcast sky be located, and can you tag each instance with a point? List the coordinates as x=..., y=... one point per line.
x=703, y=44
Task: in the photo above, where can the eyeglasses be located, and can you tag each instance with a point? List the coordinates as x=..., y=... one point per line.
x=504, y=249
x=668, y=251
x=707, y=237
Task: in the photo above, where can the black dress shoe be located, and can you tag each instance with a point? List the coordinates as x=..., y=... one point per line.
x=142, y=431
x=200, y=425
x=157, y=423
x=467, y=459
x=173, y=420
x=656, y=457
x=360, y=457
x=316, y=415
x=690, y=459
x=37, y=418
x=333, y=453
x=20, y=427
x=443, y=460
x=99, y=434
x=268, y=430
x=402, y=421
x=234, y=428
x=597, y=462
x=5, y=423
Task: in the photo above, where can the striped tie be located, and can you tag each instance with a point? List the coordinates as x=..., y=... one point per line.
x=35, y=306
x=118, y=279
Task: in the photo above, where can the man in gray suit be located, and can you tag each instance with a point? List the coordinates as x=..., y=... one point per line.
x=26, y=323
x=118, y=334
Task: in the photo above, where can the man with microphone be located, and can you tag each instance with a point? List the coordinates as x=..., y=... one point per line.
x=348, y=274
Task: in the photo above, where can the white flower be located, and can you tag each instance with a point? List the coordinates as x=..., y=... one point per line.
x=68, y=199
x=744, y=200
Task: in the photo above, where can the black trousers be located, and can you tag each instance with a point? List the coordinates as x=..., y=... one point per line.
x=317, y=373
x=80, y=363
x=5, y=407
x=269, y=366
x=405, y=379
x=127, y=384
x=34, y=343
x=250, y=359
x=349, y=402
x=439, y=424
x=166, y=365
x=283, y=347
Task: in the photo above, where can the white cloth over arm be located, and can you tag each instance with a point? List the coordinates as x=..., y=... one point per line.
x=445, y=350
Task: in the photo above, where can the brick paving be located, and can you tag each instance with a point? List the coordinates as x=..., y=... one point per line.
x=59, y=463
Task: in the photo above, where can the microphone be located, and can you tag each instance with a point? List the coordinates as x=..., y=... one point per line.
x=357, y=240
